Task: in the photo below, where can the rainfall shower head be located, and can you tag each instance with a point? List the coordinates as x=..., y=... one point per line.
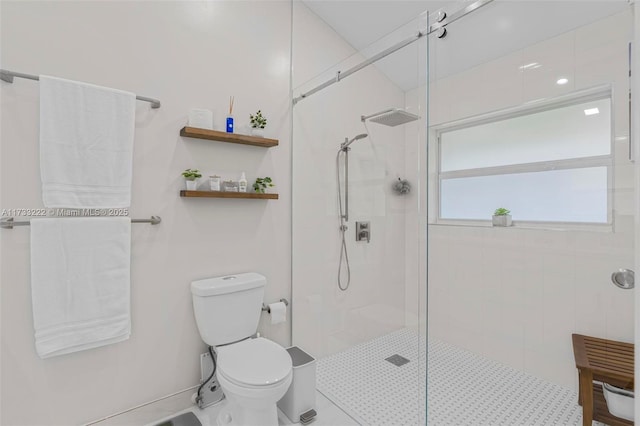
x=348, y=142
x=391, y=117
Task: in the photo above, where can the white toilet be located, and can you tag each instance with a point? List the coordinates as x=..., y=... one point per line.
x=254, y=373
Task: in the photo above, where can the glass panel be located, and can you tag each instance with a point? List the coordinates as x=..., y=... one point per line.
x=572, y=195
x=505, y=302
x=358, y=306
x=576, y=131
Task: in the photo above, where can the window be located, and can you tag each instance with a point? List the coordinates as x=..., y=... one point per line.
x=545, y=164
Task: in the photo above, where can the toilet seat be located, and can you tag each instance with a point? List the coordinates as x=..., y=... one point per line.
x=254, y=363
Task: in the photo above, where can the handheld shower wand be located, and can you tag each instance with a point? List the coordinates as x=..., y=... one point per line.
x=348, y=142
x=344, y=147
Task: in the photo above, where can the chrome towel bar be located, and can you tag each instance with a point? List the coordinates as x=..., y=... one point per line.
x=9, y=222
x=8, y=76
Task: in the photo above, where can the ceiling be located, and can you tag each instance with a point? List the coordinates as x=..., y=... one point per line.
x=495, y=30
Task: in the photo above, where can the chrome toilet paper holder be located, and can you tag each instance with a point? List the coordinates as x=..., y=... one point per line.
x=266, y=308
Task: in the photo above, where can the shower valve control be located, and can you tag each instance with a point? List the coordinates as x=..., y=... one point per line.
x=363, y=231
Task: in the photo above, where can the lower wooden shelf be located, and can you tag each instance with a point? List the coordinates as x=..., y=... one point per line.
x=222, y=194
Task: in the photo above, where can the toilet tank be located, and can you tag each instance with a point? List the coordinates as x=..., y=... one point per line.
x=227, y=309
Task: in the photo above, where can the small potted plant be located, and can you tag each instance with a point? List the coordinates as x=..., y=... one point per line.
x=501, y=217
x=191, y=178
x=262, y=184
x=258, y=123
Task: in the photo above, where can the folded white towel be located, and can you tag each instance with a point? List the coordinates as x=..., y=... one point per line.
x=86, y=144
x=80, y=272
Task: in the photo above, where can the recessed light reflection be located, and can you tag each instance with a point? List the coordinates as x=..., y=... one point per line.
x=562, y=81
x=591, y=111
x=531, y=66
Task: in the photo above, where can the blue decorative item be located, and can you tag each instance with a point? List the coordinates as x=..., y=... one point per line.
x=230, y=124
x=230, y=116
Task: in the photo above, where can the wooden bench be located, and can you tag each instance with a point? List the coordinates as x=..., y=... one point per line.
x=604, y=361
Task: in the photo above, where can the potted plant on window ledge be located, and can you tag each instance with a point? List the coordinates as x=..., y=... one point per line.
x=501, y=217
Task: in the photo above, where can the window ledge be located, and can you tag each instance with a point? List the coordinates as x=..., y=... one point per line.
x=541, y=226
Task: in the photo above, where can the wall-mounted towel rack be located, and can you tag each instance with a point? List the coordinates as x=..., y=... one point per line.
x=9, y=222
x=8, y=76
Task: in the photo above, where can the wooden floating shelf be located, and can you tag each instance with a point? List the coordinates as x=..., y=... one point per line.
x=222, y=194
x=214, y=135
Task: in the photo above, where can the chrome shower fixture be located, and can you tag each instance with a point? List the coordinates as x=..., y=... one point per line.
x=391, y=117
x=401, y=187
x=344, y=149
x=343, y=210
x=348, y=142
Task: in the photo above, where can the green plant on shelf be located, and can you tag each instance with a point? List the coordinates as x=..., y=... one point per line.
x=258, y=121
x=501, y=211
x=191, y=174
x=262, y=184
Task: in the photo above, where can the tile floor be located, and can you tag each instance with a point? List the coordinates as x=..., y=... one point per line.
x=328, y=415
x=463, y=388
x=359, y=386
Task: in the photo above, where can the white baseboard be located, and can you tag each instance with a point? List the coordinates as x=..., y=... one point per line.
x=150, y=411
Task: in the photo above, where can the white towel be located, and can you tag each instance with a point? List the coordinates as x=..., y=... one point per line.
x=86, y=144
x=80, y=272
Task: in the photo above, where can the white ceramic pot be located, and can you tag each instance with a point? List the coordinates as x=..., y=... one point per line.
x=192, y=185
x=502, y=220
x=255, y=131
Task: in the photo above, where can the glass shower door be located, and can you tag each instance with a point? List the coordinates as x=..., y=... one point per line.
x=538, y=126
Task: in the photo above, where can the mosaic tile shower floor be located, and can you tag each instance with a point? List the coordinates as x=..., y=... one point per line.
x=464, y=388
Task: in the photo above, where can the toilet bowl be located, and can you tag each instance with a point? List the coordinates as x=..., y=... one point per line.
x=253, y=374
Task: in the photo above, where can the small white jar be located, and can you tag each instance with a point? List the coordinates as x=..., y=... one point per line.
x=214, y=181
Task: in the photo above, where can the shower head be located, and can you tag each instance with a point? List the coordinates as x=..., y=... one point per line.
x=391, y=117
x=348, y=142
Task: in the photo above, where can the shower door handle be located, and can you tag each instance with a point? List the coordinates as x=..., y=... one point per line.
x=624, y=278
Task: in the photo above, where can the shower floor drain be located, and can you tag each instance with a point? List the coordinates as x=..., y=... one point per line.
x=397, y=360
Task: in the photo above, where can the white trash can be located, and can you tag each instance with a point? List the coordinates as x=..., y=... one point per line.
x=299, y=403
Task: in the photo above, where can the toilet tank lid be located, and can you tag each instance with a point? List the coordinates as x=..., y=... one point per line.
x=227, y=284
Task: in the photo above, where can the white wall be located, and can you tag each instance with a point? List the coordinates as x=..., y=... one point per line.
x=187, y=54
x=516, y=295
x=325, y=319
